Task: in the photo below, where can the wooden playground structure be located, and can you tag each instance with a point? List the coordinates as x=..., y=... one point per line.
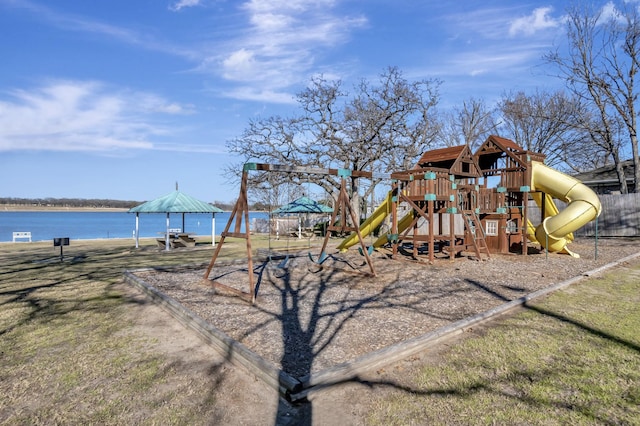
x=452, y=201
x=452, y=185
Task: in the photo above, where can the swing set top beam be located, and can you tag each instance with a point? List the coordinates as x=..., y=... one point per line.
x=314, y=170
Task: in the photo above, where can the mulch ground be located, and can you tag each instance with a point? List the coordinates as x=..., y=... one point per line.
x=307, y=318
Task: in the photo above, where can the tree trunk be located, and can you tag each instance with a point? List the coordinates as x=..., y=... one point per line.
x=355, y=200
x=620, y=173
x=636, y=164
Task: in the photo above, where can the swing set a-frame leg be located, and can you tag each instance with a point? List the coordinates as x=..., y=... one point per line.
x=241, y=209
x=344, y=205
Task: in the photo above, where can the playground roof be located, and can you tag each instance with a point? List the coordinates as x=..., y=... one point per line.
x=175, y=202
x=496, y=147
x=441, y=155
x=303, y=205
x=458, y=160
x=506, y=143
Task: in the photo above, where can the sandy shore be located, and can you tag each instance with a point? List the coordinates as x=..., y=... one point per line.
x=25, y=208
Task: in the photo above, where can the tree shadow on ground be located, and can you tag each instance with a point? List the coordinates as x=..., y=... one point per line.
x=509, y=383
x=311, y=321
x=294, y=328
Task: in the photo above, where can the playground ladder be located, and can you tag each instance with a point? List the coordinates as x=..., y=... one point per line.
x=476, y=233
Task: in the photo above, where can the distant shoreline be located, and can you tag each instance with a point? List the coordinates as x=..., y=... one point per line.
x=23, y=208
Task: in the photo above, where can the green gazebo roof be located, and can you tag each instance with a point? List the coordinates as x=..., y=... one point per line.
x=175, y=202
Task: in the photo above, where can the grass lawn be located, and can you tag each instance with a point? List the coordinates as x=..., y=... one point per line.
x=65, y=347
x=572, y=358
x=67, y=353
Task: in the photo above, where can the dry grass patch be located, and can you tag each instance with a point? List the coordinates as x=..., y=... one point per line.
x=67, y=352
x=573, y=358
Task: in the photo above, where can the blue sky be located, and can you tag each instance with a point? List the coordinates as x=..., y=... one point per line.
x=122, y=99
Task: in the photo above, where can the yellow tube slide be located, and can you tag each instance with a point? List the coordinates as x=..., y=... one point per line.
x=550, y=209
x=583, y=206
x=369, y=225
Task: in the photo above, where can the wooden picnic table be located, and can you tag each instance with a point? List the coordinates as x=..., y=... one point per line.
x=176, y=240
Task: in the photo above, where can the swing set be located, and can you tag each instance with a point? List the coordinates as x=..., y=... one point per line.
x=338, y=222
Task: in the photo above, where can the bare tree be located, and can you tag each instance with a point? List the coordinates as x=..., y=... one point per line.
x=543, y=122
x=382, y=127
x=600, y=69
x=469, y=124
x=270, y=140
x=475, y=122
x=449, y=134
x=388, y=125
x=600, y=144
x=618, y=82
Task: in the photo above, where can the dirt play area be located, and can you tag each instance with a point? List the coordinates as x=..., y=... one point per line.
x=310, y=319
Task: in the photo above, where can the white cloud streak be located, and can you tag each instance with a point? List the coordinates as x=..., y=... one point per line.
x=280, y=46
x=177, y=6
x=81, y=116
x=70, y=22
x=485, y=41
x=276, y=50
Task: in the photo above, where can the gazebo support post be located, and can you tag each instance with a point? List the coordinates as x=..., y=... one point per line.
x=167, y=236
x=137, y=230
x=213, y=229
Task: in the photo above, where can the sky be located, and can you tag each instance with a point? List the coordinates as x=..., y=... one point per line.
x=122, y=99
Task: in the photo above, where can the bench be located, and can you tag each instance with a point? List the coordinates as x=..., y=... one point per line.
x=183, y=240
x=21, y=236
x=177, y=239
x=173, y=233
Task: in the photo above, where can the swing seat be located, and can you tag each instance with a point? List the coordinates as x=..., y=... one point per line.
x=283, y=263
x=369, y=250
x=321, y=259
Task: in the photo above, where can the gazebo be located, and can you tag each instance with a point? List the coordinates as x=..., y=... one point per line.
x=176, y=202
x=302, y=205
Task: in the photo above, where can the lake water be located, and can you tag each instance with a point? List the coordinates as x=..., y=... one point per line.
x=46, y=225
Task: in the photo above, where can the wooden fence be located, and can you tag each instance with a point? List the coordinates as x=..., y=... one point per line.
x=620, y=216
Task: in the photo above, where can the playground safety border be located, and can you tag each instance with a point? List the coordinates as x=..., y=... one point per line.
x=298, y=389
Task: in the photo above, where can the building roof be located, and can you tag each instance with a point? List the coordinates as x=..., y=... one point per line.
x=175, y=202
x=606, y=173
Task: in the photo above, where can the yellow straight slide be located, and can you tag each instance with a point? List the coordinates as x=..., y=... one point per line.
x=583, y=206
x=370, y=224
x=402, y=225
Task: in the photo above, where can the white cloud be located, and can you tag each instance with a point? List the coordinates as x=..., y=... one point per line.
x=247, y=93
x=81, y=116
x=150, y=103
x=609, y=12
x=539, y=19
x=239, y=65
x=184, y=3
x=280, y=46
x=71, y=22
x=486, y=62
x=261, y=6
